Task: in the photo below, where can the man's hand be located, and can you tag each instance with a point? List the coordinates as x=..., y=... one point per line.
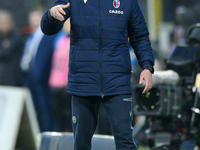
x=147, y=77
x=58, y=11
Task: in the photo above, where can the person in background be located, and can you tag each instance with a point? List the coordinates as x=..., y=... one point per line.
x=36, y=66
x=58, y=81
x=10, y=50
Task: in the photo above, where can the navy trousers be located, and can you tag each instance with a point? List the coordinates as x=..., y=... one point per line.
x=85, y=119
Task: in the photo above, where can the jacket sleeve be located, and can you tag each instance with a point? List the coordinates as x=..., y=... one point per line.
x=50, y=25
x=139, y=37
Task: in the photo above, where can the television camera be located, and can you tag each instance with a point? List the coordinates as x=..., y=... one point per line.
x=172, y=105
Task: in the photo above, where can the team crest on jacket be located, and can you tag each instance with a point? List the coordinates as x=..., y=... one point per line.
x=116, y=3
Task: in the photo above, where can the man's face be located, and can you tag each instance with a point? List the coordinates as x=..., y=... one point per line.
x=5, y=23
x=34, y=19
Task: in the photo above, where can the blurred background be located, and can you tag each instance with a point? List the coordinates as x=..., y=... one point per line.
x=25, y=64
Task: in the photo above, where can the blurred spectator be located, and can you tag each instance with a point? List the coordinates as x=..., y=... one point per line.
x=36, y=66
x=185, y=15
x=32, y=41
x=179, y=30
x=59, y=79
x=10, y=50
x=178, y=33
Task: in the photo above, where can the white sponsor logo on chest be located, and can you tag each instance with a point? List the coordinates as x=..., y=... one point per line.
x=116, y=12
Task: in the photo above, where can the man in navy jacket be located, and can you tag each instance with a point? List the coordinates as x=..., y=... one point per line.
x=100, y=66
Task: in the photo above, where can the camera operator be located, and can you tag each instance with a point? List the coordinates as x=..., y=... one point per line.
x=193, y=39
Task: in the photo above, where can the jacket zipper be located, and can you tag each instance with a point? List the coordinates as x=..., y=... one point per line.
x=100, y=46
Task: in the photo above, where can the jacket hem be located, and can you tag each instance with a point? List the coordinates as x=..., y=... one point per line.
x=98, y=94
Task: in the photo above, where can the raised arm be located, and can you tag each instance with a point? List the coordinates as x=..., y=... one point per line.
x=53, y=19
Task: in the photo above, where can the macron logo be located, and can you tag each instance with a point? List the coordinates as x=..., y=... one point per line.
x=116, y=12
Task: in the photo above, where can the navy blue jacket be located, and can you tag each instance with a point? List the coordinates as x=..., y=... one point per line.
x=99, y=49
